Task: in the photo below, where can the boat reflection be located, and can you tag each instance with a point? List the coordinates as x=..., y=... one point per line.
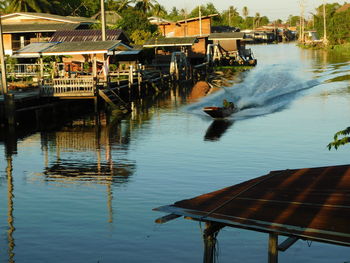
x=216, y=129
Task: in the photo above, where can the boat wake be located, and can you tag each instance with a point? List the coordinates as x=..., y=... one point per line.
x=266, y=90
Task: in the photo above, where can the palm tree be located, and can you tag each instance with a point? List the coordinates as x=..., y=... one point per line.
x=3, y=6
x=257, y=19
x=29, y=6
x=120, y=5
x=245, y=12
x=159, y=10
x=145, y=5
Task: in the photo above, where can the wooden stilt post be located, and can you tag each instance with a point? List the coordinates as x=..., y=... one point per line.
x=10, y=109
x=41, y=75
x=94, y=74
x=273, y=248
x=209, y=238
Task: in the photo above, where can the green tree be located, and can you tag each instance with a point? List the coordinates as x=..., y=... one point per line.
x=257, y=19
x=245, y=12
x=133, y=19
x=175, y=15
x=145, y=5
x=3, y=6
x=231, y=17
x=338, y=23
x=159, y=10
x=118, y=5
x=339, y=139
x=30, y=6
x=140, y=36
x=293, y=20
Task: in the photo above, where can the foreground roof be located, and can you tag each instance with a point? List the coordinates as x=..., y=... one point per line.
x=309, y=203
x=171, y=41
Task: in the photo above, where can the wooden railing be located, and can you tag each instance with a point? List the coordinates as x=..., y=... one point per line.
x=25, y=70
x=69, y=87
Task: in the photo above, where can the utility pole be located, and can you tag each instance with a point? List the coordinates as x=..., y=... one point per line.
x=103, y=20
x=200, y=21
x=302, y=20
x=2, y=61
x=325, y=41
x=229, y=16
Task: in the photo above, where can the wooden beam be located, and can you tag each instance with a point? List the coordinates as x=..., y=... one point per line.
x=287, y=243
x=273, y=248
x=167, y=218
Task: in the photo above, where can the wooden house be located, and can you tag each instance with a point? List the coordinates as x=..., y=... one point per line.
x=23, y=28
x=197, y=26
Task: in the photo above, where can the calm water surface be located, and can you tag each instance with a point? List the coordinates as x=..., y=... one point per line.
x=85, y=194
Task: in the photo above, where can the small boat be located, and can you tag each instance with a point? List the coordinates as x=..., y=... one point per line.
x=219, y=112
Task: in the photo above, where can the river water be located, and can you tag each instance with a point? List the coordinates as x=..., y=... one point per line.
x=82, y=193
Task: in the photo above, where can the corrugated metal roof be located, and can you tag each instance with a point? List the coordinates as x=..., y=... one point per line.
x=50, y=27
x=88, y=47
x=36, y=47
x=87, y=35
x=227, y=35
x=310, y=203
x=171, y=41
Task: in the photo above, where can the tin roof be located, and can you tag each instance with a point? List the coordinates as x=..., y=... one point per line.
x=309, y=203
x=171, y=41
x=33, y=49
x=88, y=35
x=227, y=35
x=50, y=27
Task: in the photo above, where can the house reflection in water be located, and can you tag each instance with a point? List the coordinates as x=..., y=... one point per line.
x=74, y=162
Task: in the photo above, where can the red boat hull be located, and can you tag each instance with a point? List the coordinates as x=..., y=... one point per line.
x=219, y=112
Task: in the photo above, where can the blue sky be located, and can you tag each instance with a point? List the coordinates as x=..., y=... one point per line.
x=271, y=8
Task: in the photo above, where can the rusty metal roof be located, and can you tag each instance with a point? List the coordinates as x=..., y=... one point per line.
x=88, y=35
x=310, y=203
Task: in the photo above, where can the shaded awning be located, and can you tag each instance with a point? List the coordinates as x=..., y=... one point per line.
x=309, y=203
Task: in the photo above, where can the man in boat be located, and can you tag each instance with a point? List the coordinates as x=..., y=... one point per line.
x=227, y=104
